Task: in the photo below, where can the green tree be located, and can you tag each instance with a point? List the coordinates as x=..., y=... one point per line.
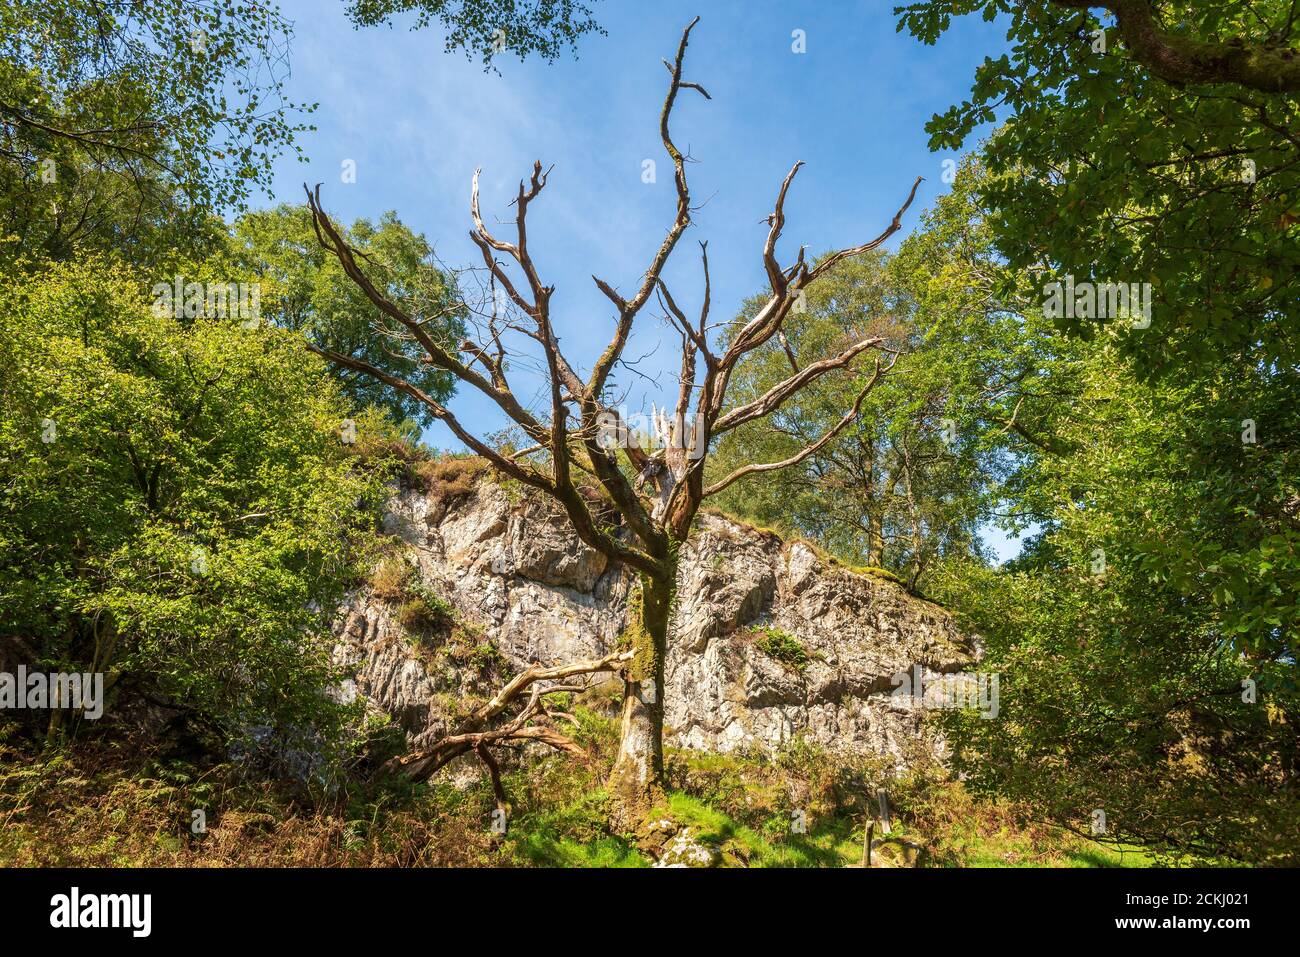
x=488, y=28
x=125, y=124
x=1154, y=143
x=123, y=118
x=1147, y=639
x=303, y=289
x=890, y=491
x=177, y=509
x=1164, y=571
x=911, y=480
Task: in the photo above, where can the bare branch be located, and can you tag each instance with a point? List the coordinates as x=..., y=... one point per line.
x=772, y=399
x=895, y=225
x=420, y=765
x=438, y=356
x=812, y=449
x=629, y=308
x=513, y=469
x=776, y=222
x=789, y=349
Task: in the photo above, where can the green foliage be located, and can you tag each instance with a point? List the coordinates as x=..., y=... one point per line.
x=127, y=123
x=304, y=289
x=1121, y=682
x=488, y=28
x=1106, y=172
x=829, y=845
x=961, y=830
x=425, y=610
x=420, y=609
x=574, y=834
x=177, y=508
x=782, y=646
x=1164, y=579
x=911, y=479
x=439, y=607
x=416, y=616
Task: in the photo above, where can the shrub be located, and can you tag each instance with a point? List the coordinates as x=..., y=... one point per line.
x=420, y=608
x=415, y=615
x=439, y=607
x=782, y=646
x=208, y=530
x=380, y=442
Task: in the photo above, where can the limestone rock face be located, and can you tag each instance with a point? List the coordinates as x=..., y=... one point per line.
x=514, y=569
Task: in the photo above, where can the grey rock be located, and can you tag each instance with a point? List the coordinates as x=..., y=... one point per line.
x=684, y=850
x=514, y=569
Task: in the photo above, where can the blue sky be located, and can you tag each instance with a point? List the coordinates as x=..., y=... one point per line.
x=417, y=122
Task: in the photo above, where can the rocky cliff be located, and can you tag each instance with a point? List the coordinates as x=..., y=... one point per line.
x=772, y=640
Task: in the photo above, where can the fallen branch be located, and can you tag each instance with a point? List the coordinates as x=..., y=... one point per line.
x=475, y=735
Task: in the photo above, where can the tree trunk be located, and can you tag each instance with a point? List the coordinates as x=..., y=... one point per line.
x=918, y=539
x=637, y=781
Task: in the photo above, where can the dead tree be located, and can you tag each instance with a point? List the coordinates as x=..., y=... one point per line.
x=582, y=436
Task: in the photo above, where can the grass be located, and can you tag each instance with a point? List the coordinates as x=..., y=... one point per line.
x=390, y=578
x=122, y=806
x=444, y=476
x=546, y=848
x=963, y=831
x=837, y=842
x=828, y=844
x=875, y=571
x=117, y=804
x=448, y=477
x=420, y=609
x=1020, y=849
x=424, y=610
x=763, y=531
x=573, y=835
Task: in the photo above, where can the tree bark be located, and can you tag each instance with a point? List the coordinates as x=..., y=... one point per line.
x=1267, y=66
x=637, y=780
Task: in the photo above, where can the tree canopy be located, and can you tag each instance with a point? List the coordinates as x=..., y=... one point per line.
x=118, y=118
x=488, y=28
x=178, y=511
x=1114, y=164
x=303, y=289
